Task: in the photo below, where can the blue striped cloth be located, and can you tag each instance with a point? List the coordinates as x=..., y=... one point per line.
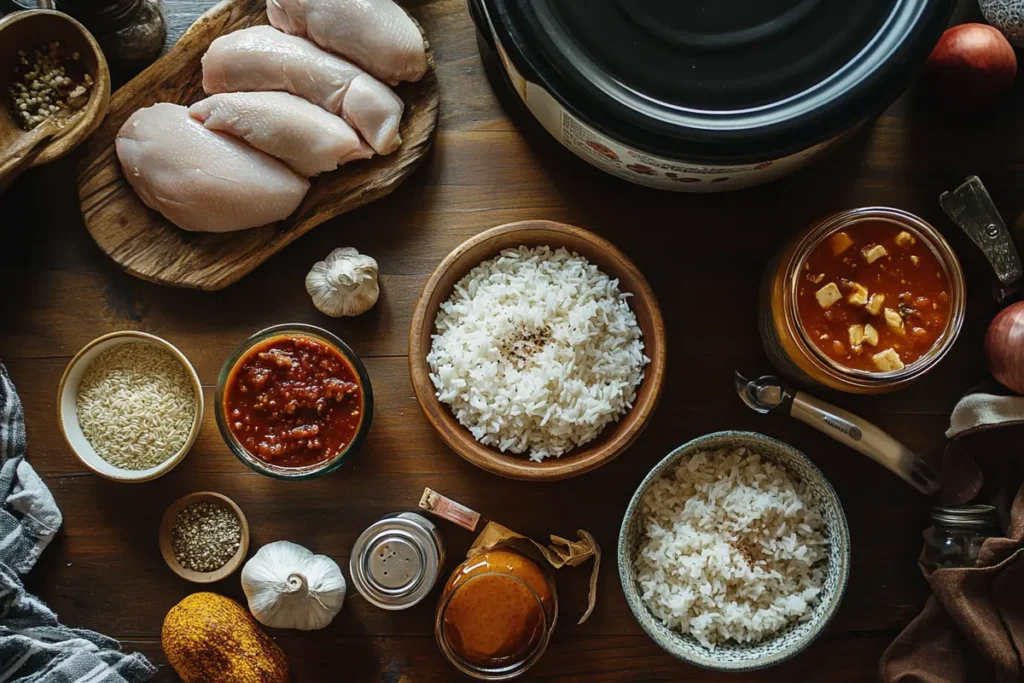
x=34, y=647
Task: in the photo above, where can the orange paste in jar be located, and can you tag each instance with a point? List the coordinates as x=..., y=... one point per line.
x=873, y=296
x=500, y=604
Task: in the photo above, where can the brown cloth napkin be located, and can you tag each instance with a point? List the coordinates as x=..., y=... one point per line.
x=972, y=627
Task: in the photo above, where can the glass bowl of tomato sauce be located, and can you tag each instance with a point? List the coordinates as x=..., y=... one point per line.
x=293, y=402
x=866, y=301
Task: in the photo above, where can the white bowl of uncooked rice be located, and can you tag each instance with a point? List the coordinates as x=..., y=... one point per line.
x=734, y=553
x=130, y=405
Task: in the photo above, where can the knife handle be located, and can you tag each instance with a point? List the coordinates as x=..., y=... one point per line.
x=866, y=438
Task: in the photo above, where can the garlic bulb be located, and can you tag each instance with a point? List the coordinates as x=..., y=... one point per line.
x=289, y=587
x=345, y=283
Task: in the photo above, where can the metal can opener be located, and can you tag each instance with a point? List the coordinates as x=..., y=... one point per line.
x=767, y=394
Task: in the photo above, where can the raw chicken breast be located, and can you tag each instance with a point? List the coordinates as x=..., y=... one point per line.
x=300, y=134
x=263, y=58
x=375, y=34
x=201, y=180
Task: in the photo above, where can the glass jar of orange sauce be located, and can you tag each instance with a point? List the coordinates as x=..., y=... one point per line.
x=866, y=301
x=496, y=615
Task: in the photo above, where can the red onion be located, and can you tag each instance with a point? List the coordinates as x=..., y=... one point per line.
x=1004, y=347
x=971, y=66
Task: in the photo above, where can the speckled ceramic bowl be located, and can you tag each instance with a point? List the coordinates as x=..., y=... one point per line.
x=785, y=644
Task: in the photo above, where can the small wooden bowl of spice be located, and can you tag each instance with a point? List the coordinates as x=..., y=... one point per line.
x=204, y=537
x=54, y=88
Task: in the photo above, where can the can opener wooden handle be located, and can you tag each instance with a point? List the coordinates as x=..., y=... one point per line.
x=767, y=394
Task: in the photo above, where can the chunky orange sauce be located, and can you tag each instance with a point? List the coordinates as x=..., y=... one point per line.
x=873, y=296
x=496, y=614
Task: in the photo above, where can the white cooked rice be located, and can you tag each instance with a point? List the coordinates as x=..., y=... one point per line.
x=136, y=405
x=734, y=548
x=537, y=351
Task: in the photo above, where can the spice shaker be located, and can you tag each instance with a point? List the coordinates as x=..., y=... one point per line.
x=957, y=535
x=397, y=560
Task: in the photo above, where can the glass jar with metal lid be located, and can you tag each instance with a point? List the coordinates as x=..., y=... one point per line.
x=958, y=533
x=786, y=339
x=397, y=560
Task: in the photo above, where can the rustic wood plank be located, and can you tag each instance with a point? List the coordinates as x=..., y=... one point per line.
x=402, y=432
x=589, y=660
x=149, y=246
x=703, y=257
x=112, y=527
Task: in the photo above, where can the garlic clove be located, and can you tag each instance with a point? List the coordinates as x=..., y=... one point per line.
x=344, y=284
x=287, y=586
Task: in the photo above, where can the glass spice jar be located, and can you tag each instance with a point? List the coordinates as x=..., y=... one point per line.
x=130, y=32
x=496, y=615
x=957, y=534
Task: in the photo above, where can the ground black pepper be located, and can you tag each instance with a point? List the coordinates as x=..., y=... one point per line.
x=205, y=536
x=524, y=343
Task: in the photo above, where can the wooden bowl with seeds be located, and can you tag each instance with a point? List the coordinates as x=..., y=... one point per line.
x=27, y=31
x=205, y=543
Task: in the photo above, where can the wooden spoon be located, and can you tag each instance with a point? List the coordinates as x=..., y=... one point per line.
x=56, y=136
x=26, y=148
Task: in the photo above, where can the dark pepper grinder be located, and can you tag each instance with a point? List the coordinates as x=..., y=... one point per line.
x=130, y=32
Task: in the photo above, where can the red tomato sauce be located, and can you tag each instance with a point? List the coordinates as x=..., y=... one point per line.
x=294, y=401
x=873, y=296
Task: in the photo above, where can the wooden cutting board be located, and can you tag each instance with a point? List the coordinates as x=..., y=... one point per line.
x=149, y=246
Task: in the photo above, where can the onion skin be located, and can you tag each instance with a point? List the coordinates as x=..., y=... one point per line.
x=1004, y=347
x=971, y=67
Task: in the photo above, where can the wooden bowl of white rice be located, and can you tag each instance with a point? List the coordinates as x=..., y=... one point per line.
x=130, y=405
x=537, y=351
x=734, y=552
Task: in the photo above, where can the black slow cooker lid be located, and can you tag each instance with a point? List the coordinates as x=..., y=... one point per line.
x=723, y=70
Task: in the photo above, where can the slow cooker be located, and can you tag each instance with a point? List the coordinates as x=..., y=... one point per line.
x=706, y=95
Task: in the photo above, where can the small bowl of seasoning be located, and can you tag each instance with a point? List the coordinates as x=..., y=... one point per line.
x=129, y=406
x=49, y=64
x=293, y=401
x=204, y=537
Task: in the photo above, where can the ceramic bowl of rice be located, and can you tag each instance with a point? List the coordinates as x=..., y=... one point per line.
x=537, y=351
x=734, y=552
x=130, y=405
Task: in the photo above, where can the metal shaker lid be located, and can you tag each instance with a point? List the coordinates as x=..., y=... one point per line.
x=397, y=560
x=966, y=517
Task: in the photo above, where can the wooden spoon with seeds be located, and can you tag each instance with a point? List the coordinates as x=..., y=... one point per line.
x=26, y=148
x=56, y=136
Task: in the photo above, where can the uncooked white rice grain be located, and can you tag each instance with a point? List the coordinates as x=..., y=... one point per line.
x=537, y=351
x=734, y=548
x=136, y=405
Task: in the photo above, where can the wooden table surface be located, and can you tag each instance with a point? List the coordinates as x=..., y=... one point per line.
x=703, y=255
